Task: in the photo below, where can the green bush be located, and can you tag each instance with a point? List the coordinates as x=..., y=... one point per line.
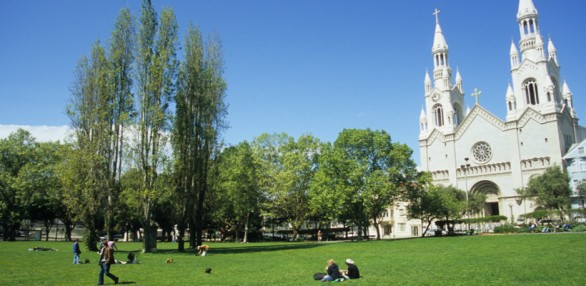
x=578, y=228
x=507, y=228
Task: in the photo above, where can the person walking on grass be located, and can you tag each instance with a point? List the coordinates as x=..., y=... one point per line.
x=76, y=252
x=106, y=259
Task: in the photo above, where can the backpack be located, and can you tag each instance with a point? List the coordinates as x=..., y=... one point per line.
x=319, y=276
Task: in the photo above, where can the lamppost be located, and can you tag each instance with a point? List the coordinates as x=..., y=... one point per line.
x=465, y=169
x=512, y=216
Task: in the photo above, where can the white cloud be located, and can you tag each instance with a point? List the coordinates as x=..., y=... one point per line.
x=42, y=133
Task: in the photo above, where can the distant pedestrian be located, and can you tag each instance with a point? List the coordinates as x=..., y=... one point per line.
x=106, y=259
x=319, y=235
x=76, y=252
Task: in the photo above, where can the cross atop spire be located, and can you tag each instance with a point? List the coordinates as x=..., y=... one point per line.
x=436, y=14
x=476, y=94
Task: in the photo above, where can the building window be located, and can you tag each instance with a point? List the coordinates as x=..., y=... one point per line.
x=482, y=152
x=438, y=115
x=531, y=94
x=388, y=230
x=402, y=227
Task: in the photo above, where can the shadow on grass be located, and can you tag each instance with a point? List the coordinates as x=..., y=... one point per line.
x=264, y=248
x=246, y=248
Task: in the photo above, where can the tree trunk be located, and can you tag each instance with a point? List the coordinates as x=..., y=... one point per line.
x=149, y=238
x=245, y=240
x=181, y=239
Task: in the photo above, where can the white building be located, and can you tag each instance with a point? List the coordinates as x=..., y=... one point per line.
x=576, y=167
x=480, y=153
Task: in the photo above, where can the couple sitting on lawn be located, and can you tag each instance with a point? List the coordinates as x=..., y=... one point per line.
x=335, y=274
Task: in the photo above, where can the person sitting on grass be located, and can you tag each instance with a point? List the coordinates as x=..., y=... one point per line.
x=352, y=272
x=332, y=270
x=202, y=250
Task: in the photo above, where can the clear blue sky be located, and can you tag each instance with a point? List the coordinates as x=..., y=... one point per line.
x=297, y=66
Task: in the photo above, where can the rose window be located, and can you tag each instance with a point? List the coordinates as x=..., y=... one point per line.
x=482, y=152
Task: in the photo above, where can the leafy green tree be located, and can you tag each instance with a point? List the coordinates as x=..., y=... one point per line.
x=440, y=203
x=288, y=168
x=42, y=177
x=157, y=73
x=476, y=202
x=324, y=200
x=17, y=180
x=550, y=190
x=366, y=170
x=238, y=191
x=581, y=188
x=200, y=113
x=118, y=110
x=88, y=111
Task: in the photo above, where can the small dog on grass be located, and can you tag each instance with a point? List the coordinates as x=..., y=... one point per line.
x=208, y=270
x=169, y=260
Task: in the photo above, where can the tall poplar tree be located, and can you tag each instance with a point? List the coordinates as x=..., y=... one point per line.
x=120, y=107
x=156, y=76
x=200, y=113
x=88, y=112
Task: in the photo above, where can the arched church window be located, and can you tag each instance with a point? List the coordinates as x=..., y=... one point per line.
x=482, y=152
x=531, y=94
x=438, y=115
x=510, y=106
x=548, y=96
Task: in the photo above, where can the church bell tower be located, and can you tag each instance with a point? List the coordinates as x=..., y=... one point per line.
x=444, y=100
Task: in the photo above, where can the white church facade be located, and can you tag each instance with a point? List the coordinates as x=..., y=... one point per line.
x=481, y=153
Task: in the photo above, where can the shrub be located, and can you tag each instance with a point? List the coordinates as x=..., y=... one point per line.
x=506, y=228
x=578, y=228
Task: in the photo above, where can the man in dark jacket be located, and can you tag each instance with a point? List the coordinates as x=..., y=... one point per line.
x=76, y=252
x=352, y=272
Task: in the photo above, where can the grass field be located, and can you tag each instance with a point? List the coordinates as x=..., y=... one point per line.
x=529, y=259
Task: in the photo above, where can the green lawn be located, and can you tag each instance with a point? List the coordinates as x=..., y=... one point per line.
x=529, y=259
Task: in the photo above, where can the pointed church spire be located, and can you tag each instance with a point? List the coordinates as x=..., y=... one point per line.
x=510, y=93
x=439, y=42
x=514, y=55
x=459, y=81
x=552, y=51
x=427, y=83
x=511, y=103
x=568, y=101
x=422, y=120
x=527, y=18
x=440, y=47
x=513, y=49
x=526, y=9
x=566, y=90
